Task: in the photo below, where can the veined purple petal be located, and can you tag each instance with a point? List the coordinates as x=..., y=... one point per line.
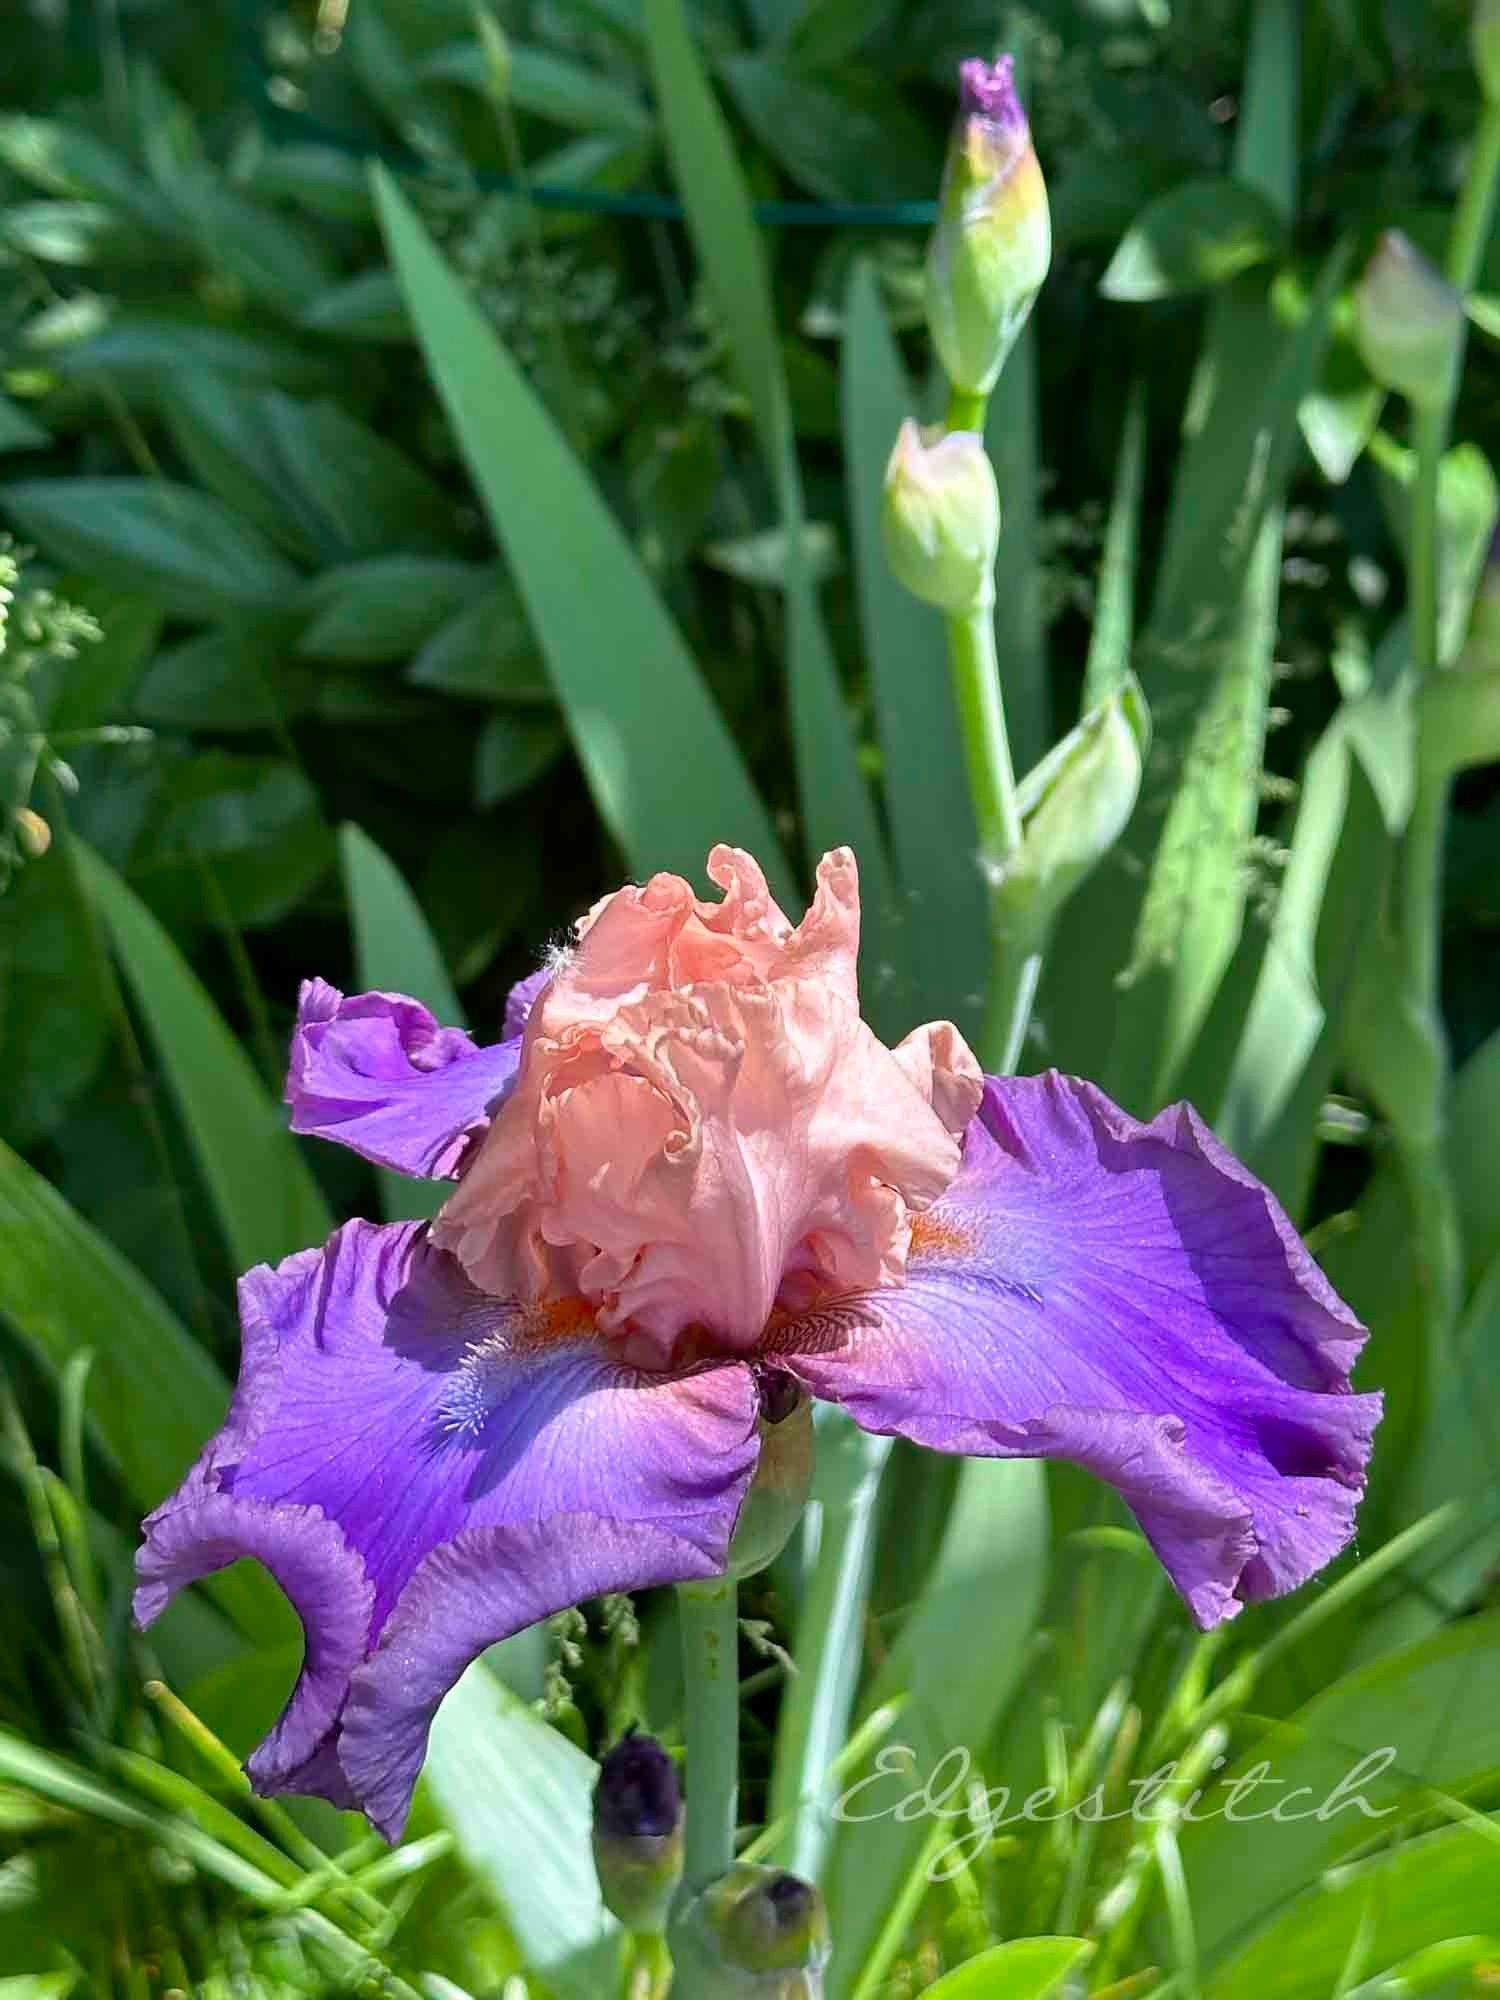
x=1129, y=1297
x=389, y=1414
x=476, y=1589
x=377, y=1073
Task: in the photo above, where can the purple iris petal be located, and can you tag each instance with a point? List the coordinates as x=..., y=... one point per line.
x=522, y=998
x=392, y=1423
x=1129, y=1297
x=377, y=1073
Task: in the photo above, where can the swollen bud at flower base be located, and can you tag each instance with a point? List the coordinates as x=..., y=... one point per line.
x=783, y=1474
x=755, y=1934
x=1408, y=322
x=638, y=1832
x=941, y=517
x=992, y=246
x=1484, y=41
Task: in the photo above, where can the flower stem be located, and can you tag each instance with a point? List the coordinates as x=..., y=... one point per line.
x=1014, y=966
x=709, y=1614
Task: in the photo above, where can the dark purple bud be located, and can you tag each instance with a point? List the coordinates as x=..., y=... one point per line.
x=638, y=1832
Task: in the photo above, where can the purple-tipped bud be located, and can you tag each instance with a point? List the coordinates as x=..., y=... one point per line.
x=941, y=518
x=638, y=1832
x=1408, y=321
x=755, y=1934
x=1484, y=40
x=783, y=1474
x=992, y=246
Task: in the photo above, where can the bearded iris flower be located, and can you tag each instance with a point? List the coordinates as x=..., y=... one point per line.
x=689, y=1172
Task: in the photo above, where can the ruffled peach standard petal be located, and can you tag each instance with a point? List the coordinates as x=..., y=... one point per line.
x=703, y=1125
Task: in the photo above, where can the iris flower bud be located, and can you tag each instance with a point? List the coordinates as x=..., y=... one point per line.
x=783, y=1476
x=992, y=245
x=755, y=1934
x=942, y=517
x=1484, y=41
x=1409, y=321
x=32, y=831
x=638, y=1832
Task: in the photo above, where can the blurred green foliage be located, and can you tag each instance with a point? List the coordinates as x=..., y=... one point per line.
x=383, y=594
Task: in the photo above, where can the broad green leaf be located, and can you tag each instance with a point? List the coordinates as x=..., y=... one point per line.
x=386, y=607
x=616, y=658
x=38, y=1985
x=231, y=677
x=18, y=430
x=519, y=1798
x=229, y=837
x=1474, y=1122
x=155, y=1397
x=512, y=752
x=926, y=786
x=267, y=1202
x=958, y=1659
x=1467, y=507
x=1024, y=1969
x=365, y=496
x=156, y=536
x=547, y=85
x=1458, y=720
x=366, y=307
x=142, y=352
x=825, y=33
x=846, y=135
x=75, y=233
x=1203, y=233
x=218, y=427
x=485, y=652
x=1446, y=1885
x=1362, y=1758
x=277, y=260
x=93, y=686
x=395, y=952
x=67, y=160
x=325, y=180
x=836, y=806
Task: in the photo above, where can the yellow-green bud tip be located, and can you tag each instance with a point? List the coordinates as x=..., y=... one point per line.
x=992, y=246
x=1408, y=321
x=941, y=517
x=32, y=831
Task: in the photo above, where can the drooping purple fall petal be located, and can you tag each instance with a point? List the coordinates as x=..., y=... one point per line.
x=398, y=1435
x=377, y=1073
x=1129, y=1297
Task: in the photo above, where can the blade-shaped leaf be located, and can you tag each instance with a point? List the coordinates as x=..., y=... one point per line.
x=519, y=1798
x=662, y=767
x=266, y=1199
x=926, y=787
x=836, y=806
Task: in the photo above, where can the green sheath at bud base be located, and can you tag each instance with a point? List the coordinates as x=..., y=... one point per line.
x=992, y=246
x=783, y=1475
x=755, y=1934
x=941, y=518
x=638, y=1832
x=1408, y=321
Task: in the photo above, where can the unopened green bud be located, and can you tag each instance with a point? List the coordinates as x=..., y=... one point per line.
x=992, y=246
x=942, y=517
x=755, y=1934
x=783, y=1474
x=1075, y=806
x=1484, y=41
x=1408, y=321
x=638, y=1832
